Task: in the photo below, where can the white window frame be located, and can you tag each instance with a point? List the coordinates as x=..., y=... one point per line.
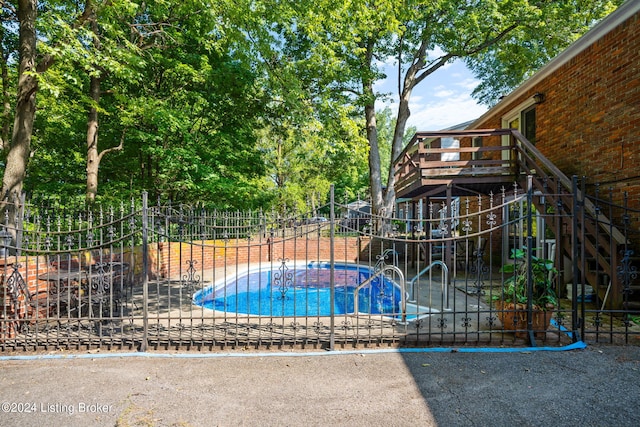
x=511, y=115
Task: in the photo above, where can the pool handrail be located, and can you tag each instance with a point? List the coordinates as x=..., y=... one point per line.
x=445, y=277
x=403, y=297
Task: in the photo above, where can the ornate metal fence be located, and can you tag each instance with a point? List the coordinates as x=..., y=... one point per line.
x=157, y=277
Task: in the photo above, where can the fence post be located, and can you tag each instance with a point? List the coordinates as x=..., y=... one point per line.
x=530, y=333
x=575, y=254
x=145, y=272
x=20, y=224
x=332, y=284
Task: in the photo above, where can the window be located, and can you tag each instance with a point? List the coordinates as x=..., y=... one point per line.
x=529, y=124
x=522, y=118
x=477, y=143
x=450, y=143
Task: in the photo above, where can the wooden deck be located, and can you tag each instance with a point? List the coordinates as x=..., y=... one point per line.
x=482, y=161
x=449, y=164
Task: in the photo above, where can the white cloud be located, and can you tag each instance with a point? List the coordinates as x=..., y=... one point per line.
x=444, y=113
x=435, y=52
x=443, y=93
x=468, y=84
x=444, y=101
x=437, y=111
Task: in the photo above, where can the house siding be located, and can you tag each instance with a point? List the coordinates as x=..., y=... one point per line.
x=589, y=123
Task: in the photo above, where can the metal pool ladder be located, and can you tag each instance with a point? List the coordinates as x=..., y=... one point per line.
x=445, y=277
x=381, y=272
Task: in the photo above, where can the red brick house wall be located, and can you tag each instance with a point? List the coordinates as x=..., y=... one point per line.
x=589, y=123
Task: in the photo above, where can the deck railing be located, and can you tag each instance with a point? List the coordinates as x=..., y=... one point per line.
x=505, y=155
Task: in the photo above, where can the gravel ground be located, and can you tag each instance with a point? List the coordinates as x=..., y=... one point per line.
x=597, y=386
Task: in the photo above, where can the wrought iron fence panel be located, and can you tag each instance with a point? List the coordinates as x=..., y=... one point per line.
x=74, y=276
x=436, y=273
x=609, y=307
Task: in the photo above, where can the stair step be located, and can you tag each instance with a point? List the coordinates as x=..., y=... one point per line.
x=632, y=305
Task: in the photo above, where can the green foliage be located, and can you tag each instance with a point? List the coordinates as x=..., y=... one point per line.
x=544, y=30
x=516, y=285
x=253, y=104
x=185, y=108
x=350, y=40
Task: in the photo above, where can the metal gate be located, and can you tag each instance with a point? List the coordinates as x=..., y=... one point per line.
x=165, y=277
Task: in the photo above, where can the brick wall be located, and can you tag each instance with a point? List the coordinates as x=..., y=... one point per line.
x=170, y=258
x=589, y=123
x=29, y=268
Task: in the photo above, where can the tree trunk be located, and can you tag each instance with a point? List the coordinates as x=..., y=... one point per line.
x=375, y=169
x=375, y=172
x=383, y=202
x=6, y=104
x=20, y=149
x=93, y=158
x=396, y=148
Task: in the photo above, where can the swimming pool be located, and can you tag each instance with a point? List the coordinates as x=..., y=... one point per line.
x=303, y=290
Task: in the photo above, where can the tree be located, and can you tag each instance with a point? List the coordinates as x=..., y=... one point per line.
x=420, y=37
x=310, y=135
x=160, y=77
x=304, y=159
x=192, y=122
x=108, y=44
x=33, y=63
x=109, y=52
x=28, y=69
x=63, y=40
x=8, y=42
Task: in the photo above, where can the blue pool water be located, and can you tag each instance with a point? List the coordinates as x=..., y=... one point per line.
x=302, y=290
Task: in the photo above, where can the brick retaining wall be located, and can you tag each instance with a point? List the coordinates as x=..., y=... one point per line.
x=172, y=257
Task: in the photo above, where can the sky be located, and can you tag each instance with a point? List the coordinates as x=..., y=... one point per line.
x=442, y=100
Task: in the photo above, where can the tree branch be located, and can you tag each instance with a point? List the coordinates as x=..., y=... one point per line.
x=9, y=7
x=86, y=16
x=434, y=65
x=400, y=63
x=491, y=41
x=117, y=148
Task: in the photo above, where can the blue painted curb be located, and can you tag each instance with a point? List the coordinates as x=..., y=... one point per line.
x=575, y=346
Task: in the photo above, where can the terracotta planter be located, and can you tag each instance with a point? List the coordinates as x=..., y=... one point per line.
x=514, y=317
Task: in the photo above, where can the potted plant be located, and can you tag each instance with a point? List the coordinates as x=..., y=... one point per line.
x=512, y=302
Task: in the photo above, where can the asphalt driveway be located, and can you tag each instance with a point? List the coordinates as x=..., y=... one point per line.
x=596, y=386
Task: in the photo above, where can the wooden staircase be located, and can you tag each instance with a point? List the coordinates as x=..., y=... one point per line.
x=486, y=160
x=602, y=256
x=490, y=159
